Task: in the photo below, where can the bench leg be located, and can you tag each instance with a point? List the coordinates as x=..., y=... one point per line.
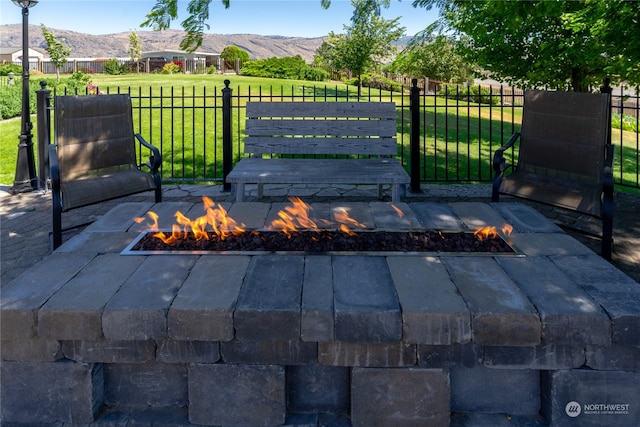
x=396, y=192
x=260, y=190
x=380, y=191
x=239, y=191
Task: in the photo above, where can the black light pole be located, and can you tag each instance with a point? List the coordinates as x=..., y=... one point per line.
x=25, y=178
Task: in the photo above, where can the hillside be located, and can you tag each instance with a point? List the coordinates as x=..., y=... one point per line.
x=117, y=45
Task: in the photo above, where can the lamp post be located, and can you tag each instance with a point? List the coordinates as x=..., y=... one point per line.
x=25, y=177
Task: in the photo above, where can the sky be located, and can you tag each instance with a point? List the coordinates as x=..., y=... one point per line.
x=295, y=18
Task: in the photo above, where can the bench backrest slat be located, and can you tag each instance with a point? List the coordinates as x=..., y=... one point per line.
x=321, y=127
x=380, y=110
x=367, y=128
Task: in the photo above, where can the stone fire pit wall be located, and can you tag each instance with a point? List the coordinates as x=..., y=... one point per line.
x=552, y=337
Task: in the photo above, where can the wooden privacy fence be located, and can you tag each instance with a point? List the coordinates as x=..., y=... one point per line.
x=455, y=130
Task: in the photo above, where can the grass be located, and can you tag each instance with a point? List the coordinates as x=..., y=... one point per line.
x=181, y=114
x=9, y=132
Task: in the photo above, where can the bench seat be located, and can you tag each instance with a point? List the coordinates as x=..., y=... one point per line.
x=319, y=171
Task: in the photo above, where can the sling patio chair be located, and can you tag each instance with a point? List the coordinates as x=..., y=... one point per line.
x=565, y=158
x=94, y=155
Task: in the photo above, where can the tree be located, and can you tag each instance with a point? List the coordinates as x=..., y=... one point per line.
x=233, y=53
x=166, y=11
x=323, y=57
x=544, y=43
x=135, y=49
x=367, y=42
x=58, y=50
x=435, y=58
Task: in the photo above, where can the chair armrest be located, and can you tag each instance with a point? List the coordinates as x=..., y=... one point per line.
x=500, y=165
x=155, y=160
x=499, y=162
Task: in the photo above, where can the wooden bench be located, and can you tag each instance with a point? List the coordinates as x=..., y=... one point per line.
x=94, y=155
x=564, y=158
x=320, y=142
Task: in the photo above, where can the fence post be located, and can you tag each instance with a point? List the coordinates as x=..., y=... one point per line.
x=43, y=108
x=415, y=136
x=227, y=153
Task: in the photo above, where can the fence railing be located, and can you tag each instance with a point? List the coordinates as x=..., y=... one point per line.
x=455, y=131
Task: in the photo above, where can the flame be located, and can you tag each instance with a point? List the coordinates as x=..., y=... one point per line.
x=398, y=211
x=491, y=232
x=292, y=218
x=296, y=217
x=215, y=216
x=342, y=216
x=221, y=223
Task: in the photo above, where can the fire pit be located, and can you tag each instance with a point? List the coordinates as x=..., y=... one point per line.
x=295, y=232
x=493, y=334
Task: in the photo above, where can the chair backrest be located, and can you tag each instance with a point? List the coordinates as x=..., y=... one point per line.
x=94, y=134
x=564, y=135
x=367, y=128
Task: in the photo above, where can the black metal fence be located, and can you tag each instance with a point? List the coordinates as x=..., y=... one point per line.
x=455, y=129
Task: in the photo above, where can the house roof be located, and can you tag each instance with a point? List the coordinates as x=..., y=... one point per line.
x=9, y=50
x=12, y=50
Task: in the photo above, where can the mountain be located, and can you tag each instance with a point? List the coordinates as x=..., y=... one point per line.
x=117, y=45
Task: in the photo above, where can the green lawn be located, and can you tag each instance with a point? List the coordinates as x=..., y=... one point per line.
x=181, y=115
x=9, y=132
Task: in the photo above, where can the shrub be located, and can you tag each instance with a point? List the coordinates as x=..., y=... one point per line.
x=315, y=74
x=11, y=95
x=114, y=68
x=624, y=122
x=80, y=79
x=76, y=84
x=475, y=94
x=376, y=81
x=11, y=99
x=5, y=69
x=290, y=67
x=172, y=68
